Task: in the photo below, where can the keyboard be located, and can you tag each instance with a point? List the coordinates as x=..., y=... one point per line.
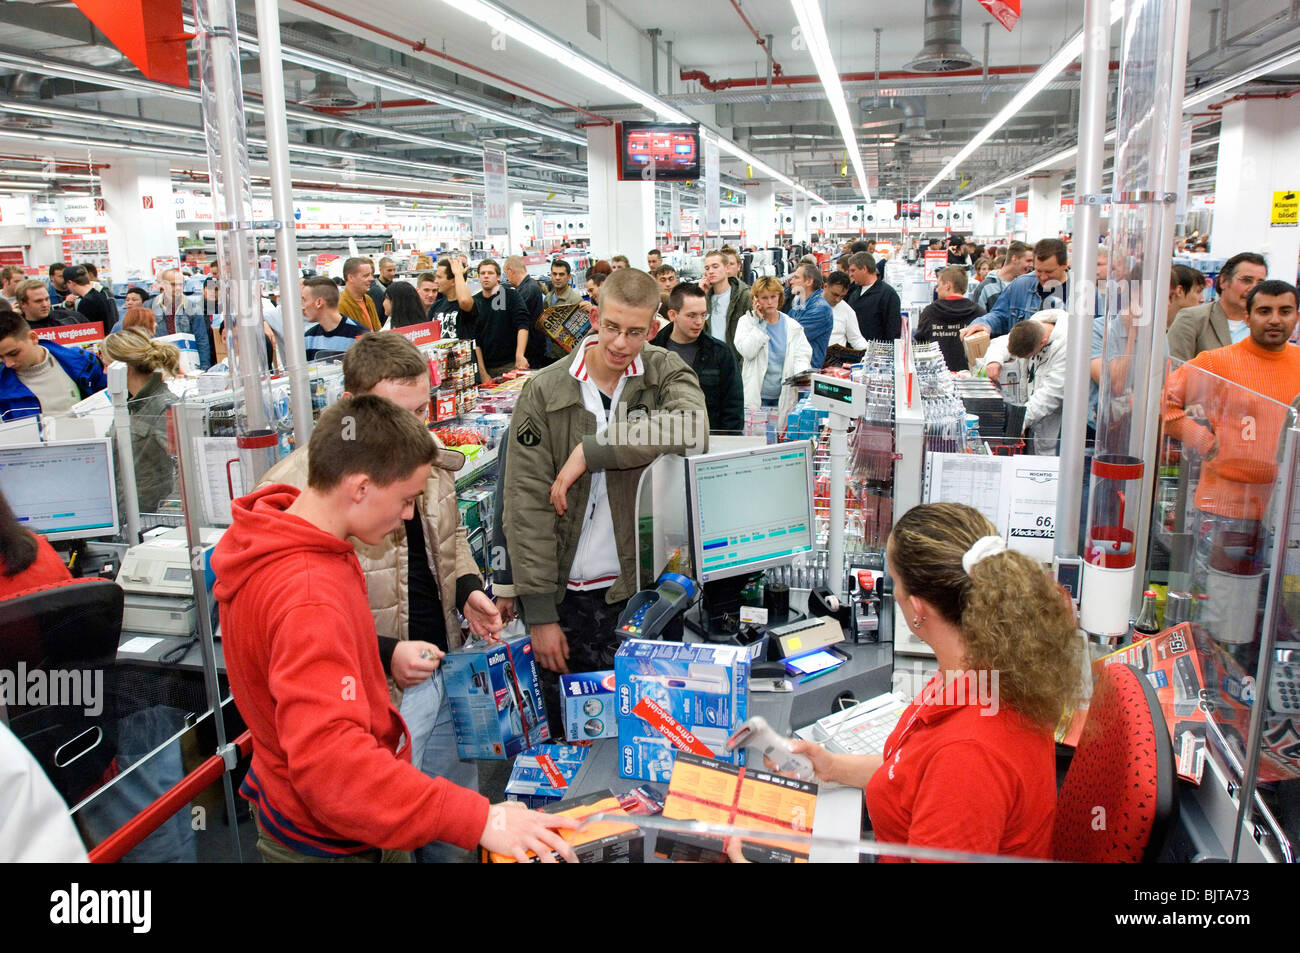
x=861, y=729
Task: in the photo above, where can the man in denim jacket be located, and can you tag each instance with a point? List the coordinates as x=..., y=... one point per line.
x=1046, y=287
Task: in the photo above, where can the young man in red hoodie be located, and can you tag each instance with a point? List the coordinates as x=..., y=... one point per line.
x=331, y=777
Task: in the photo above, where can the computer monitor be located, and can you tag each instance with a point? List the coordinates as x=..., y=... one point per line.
x=61, y=490
x=750, y=509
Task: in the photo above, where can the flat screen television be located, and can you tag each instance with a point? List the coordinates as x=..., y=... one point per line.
x=659, y=152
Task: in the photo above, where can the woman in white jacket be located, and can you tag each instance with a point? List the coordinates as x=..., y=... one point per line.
x=773, y=348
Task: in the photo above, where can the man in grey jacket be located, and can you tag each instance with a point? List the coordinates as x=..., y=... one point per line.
x=726, y=300
x=582, y=432
x=1222, y=321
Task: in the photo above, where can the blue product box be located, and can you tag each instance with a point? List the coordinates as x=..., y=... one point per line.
x=542, y=774
x=588, y=700
x=496, y=698
x=673, y=696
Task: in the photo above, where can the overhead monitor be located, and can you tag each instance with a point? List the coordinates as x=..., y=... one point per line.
x=61, y=490
x=659, y=152
x=750, y=509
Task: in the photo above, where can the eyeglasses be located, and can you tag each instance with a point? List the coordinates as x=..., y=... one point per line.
x=632, y=334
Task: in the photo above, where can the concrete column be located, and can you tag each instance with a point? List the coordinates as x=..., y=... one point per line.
x=1044, y=220
x=985, y=213
x=1258, y=139
x=141, y=215
x=760, y=214
x=802, y=231
x=518, y=237
x=622, y=214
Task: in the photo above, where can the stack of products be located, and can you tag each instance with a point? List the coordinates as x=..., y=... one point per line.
x=452, y=374
x=705, y=790
x=674, y=697
x=588, y=700
x=604, y=842
x=980, y=397
x=945, y=415
x=542, y=774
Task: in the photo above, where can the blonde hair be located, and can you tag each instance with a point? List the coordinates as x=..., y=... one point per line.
x=1013, y=617
x=142, y=353
x=765, y=286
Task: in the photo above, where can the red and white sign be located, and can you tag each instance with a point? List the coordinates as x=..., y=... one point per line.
x=147, y=200
x=935, y=261
x=1006, y=12
x=419, y=334
x=73, y=335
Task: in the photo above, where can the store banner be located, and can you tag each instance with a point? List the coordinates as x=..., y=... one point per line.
x=712, y=212
x=1184, y=172
x=478, y=217
x=73, y=335
x=496, y=195
x=1006, y=12
x=419, y=334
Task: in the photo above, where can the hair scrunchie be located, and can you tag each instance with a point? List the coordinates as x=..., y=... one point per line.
x=981, y=549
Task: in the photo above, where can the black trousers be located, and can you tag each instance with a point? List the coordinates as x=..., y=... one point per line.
x=588, y=623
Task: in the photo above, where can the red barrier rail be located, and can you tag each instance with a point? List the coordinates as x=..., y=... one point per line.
x=127, y=837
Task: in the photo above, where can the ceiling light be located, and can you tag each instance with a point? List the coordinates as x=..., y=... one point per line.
x=1037, y=83
x=814, y=33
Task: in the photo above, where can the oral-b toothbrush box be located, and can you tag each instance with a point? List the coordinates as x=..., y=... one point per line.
x=541, y=775
x=496, y=698
x=588, y=700
x=672, y=697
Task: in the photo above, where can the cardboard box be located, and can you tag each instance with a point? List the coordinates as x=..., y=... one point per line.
x=496, y=698
x=606, y=842
x=976, y=346
x=542, y=774
x=676, y=697
x=704, y=789
x=588, y=700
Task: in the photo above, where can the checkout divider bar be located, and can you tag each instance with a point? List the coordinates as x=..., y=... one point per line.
x=867, y=848
x=127, y=837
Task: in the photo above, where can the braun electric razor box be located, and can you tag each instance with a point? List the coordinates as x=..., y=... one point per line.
x=677, y=697
x=496, y=698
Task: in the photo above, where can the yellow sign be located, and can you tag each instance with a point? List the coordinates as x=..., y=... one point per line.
x=1286, y=209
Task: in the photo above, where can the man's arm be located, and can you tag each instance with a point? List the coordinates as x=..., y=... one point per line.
x=893, y=314
x=357, y=788
x=680, y=425
x=1049, y=389
x=998, y=320
x=529, y=520
x=733, y=395
x=852, y=333
x=463, y=297
x=1177, y=424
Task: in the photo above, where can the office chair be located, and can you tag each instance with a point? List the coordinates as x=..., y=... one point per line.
x=69, y=628
x=1118, y=803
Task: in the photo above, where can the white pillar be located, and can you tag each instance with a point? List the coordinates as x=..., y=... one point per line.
x=622, y=213
x=1044, y=220
x=802, y=231
x=519, y=238
x=760, y=214
x=985, y=213
x=141, y=215
x=1258, y=139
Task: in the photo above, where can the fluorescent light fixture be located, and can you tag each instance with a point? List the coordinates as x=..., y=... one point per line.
x=1037, y=83
x=814, y=33
x=24, y=187
x=1028, y=170
x=1214, y=91
x=38, y=174
x=502, y=20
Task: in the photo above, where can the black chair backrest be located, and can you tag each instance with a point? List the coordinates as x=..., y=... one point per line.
x=61, y=642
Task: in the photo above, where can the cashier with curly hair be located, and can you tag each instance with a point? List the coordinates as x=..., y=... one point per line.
x=971, y=764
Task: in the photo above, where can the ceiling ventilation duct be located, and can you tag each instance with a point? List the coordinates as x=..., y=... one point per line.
x=942, y=52
x=28, y=88
x=331, y=92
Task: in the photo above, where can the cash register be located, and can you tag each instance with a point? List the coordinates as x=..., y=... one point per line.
x=156, y=577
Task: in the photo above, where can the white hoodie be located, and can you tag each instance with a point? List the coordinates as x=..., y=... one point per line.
x=1047, y=370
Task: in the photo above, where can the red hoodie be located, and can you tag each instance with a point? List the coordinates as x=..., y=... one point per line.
x=331, y=772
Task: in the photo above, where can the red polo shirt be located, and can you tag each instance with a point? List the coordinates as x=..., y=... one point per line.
x=957, y=777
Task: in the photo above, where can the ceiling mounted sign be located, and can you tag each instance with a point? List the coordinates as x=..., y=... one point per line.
x=1006, y=12
x=148, y=32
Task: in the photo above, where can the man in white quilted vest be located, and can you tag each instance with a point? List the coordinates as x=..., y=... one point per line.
x=420, y=576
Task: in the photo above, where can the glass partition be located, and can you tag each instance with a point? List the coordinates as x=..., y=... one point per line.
x=1219, y=524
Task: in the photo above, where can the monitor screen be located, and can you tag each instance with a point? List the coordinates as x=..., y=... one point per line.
x=61, y=490
x=750, y=509
x=659, y=152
